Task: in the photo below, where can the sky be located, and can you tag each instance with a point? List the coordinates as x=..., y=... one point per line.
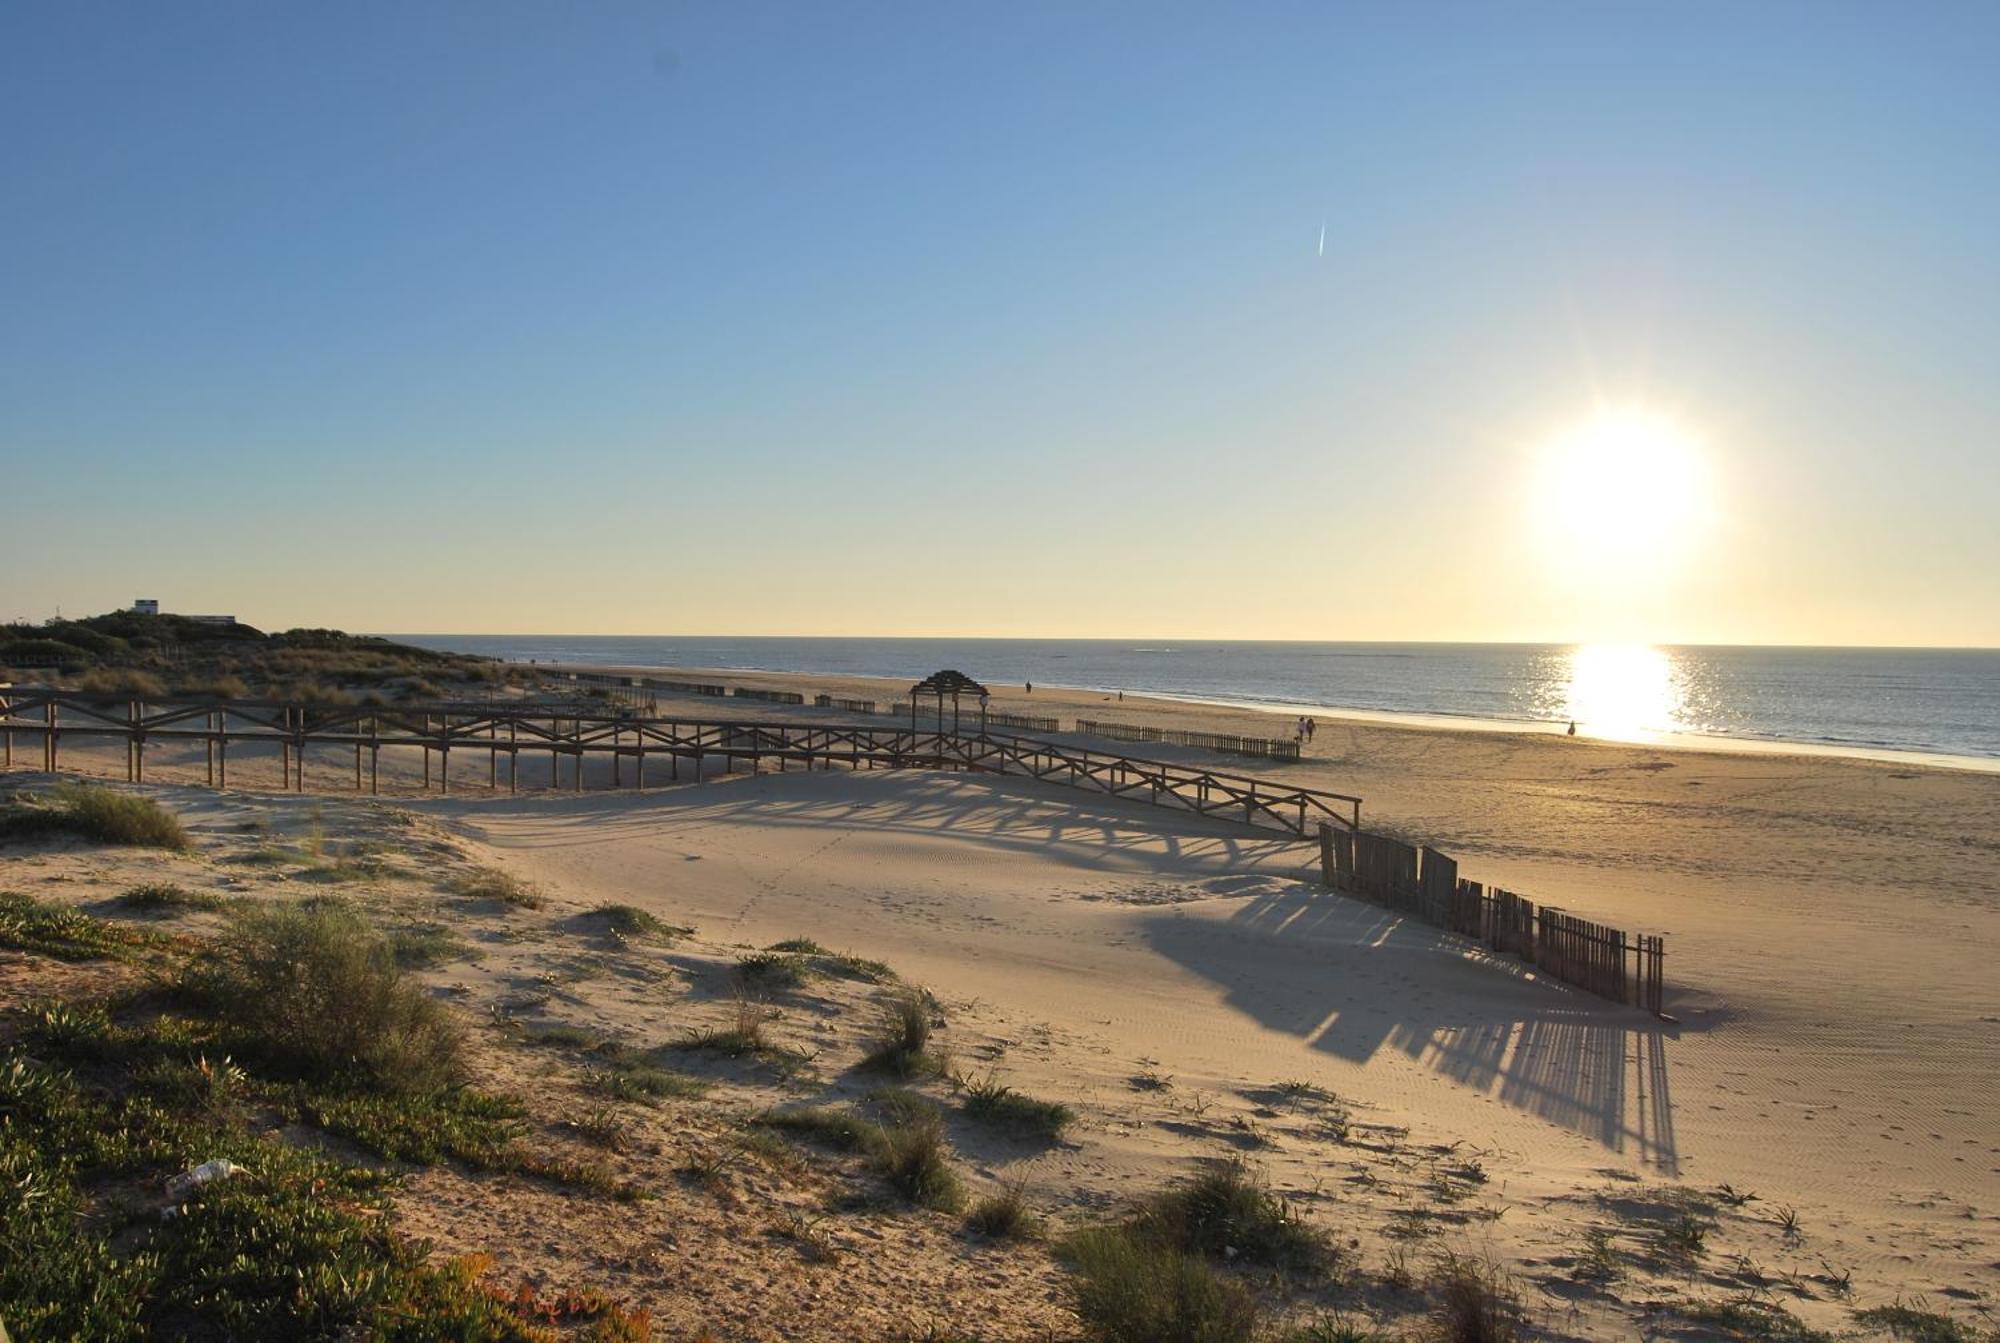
x=1056, y=320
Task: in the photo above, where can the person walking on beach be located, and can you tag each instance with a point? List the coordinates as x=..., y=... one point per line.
x=1312, y=726
x=1031, y=687
x=1572, y=727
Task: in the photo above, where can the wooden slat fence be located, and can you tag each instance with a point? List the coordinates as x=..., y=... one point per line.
x=1024, y=722
x=708, y=688
x=1423, y=883
x=1264, y=748
x=769, y=696
x=851, y=705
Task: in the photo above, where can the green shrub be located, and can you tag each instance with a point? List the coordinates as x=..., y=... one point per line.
x=817, y=958
x=631, y=921
x=903, y=1039
x=93, y=811
x=992, y=1102
x=1131, y=1289
x=770, y=971
x=1003, y=1216
x=492, y=884
x=644, y=1083
x=836, y=1126
x=1226, y=1212
x=915, y=1159
x=1473, y=1303
x=1917, y=1323
x=317, y=993
x=121, y=681
x=164, y=895
x=426, y=945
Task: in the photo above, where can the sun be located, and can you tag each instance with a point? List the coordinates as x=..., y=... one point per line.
x=1626, y=487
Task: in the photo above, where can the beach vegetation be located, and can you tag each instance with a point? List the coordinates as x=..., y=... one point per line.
x=1004, y=1215
x=630, y=921
x=1472, y=1301
x=1916, y=1322
x=61, y=933
x=997, y=1105
x=744, y=1034
x=839, y=964
x=490, y=883
x=643, y=1083
x=1228, y=1212
x=1748, y=1318
x=772, y=971
x=425, y=945
x=838, y=1127
x=165, y=896
x=94, y=812
x=1129, y=1288
x=317, y=993
x=912, y=1154
x=902, y=1045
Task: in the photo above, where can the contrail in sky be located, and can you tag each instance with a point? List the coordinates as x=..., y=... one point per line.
x=1322, y=237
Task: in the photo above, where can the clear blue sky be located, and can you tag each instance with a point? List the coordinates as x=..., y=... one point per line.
x=741, y=318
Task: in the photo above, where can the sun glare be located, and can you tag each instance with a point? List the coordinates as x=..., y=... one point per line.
x=1626, y=487
x=1626, y=692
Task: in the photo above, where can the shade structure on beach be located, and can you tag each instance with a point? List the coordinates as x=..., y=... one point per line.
x=952, y=683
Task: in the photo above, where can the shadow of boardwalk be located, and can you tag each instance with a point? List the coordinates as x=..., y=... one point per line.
x=1004, y=812
x=1353, y=980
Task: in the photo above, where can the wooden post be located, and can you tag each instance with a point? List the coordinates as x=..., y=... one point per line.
x=640, y=767
x=357, y=766
x=222, y=748
x=617, y=774
x=444, y=769
x=492, y=758
x=208, y=742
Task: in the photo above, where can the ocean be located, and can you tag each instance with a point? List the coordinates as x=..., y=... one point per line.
x=1928, y=701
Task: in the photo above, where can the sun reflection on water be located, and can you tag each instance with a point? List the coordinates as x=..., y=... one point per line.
x=1628, y=692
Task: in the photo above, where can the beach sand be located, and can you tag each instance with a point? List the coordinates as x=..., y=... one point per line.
x=1832, y=930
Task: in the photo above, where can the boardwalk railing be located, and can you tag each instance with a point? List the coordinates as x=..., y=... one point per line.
x=1425, y=884
x=1266, y=748
x=626, y=741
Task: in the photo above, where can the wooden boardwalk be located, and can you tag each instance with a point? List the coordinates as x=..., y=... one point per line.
x=631, y=744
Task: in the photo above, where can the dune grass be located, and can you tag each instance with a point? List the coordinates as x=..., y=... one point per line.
x=632, y=921
x=164, y=897
x=490, y=883
x=1129, y=1288
x=1004, y=1216
x=903, y=1038
x=993, y=1103
x=92, y=811
x=1227, y=1212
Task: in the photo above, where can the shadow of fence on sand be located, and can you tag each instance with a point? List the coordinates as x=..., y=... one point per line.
x=1372, y=980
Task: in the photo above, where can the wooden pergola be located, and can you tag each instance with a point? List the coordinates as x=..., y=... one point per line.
x=952, y=683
